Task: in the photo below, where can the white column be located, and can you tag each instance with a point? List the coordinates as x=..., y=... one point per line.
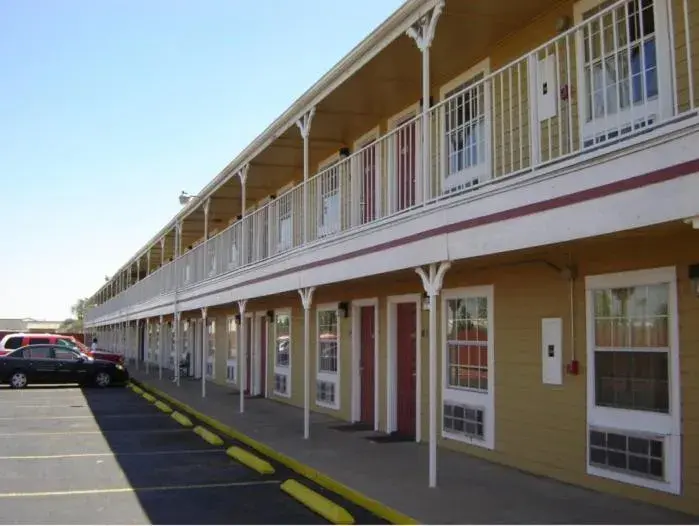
x=306, y=299
x=161, y=344
x=207, y=205
x=242, y=357
x=423, y=34
x=243, y=176
x=432, y=283
x=162, y=251
x=204, y=351
x=148, y=262
x=304, y=124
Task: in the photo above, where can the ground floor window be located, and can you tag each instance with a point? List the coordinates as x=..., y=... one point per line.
x=232, y=355
x=282, y=353
x=210, y=348
x=468, y=357
x=633, y=379
x=328, y=345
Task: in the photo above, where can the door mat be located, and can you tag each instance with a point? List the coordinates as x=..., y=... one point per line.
x=390, y=439
x=357, y=426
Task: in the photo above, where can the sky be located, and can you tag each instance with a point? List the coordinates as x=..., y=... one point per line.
x=109, y=109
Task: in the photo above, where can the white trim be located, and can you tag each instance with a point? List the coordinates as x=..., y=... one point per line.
x=287, y=311
x=392, y=363
x=482, y=171
x=395, y=122
x=665, y=425
x=257, y=372
x=472, y=398
x=357, y=168
x=210, y=357
x=249, y=360
x=372, y=135
x=356, y=413
x=324, y=376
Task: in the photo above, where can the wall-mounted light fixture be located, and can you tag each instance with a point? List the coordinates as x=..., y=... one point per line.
x=694, y=278
x=237, y=319
x=425, y=301
x=343, y=309
x=270, y=315
x=344, y=152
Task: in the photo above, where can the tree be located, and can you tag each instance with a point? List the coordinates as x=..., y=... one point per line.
x=75, y=323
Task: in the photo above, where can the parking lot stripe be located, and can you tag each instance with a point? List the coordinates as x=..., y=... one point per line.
x=112, y=453
x=136, y=490
x=78, y=417
x=95, y=432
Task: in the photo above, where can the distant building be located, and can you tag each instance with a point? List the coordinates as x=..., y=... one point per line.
x=28, y=325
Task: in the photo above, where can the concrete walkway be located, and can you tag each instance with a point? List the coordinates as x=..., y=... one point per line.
x=470, y=490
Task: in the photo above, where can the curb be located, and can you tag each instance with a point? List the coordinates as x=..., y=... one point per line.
x=377, y=508
x=245, y=457
x=316, y=502
x=211, y=438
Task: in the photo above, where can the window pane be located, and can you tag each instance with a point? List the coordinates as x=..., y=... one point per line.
x=283, y=327
x=467, y=343
x=40, y=352
x=327, y=341
x=632, y=380
x=232, y=339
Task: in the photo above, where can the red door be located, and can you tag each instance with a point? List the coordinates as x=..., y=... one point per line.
x=368, y=183
x=405, y=347
x=366, y=364
x=405, y=169
x=248, y=354
x=263, y=355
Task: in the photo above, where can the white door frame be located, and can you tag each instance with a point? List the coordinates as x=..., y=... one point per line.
x=195, y=325
x=250, y=325
x=392, y=362
x=356, y=357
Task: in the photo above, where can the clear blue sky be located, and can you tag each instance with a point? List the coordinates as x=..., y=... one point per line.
x=108, y=109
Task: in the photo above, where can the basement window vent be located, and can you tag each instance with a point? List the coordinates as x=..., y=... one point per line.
x=280, y=384
x=464, y=420
x=632, y=454
x=325, y=392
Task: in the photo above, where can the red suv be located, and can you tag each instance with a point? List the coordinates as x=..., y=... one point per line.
x=10, y=342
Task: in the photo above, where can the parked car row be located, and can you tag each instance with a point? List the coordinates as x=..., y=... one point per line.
x=52, y=359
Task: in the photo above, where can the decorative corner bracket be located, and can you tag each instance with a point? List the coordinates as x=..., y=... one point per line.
x=304, y=123
x=432, y=279
x=307, y=297
x=424, y=29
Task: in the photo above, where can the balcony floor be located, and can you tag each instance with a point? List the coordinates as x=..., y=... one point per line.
x=471, y=490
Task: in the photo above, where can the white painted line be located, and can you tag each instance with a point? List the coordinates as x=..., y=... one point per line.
x=78, y=417
x=136, y=490
x=95, y=432
x=113, y=454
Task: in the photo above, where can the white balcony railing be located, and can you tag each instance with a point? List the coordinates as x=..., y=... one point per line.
x=625, y=69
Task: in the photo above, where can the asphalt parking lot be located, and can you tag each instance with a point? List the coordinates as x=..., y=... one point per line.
x=77, y=456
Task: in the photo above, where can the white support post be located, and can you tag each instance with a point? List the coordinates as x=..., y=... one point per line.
x=162, y=251
x=432, y=283
x=148, y=262
x=307, y=300
x=243, y=176
x=423, y=34
x=161, y=344
x=304, y=125
x=204, y=351
x=138, y=270
x=242, y=355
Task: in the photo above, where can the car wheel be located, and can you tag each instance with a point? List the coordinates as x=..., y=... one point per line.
x=103, y=379
x=18, y=380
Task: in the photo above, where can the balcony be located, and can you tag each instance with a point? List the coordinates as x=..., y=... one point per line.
x=623, y=71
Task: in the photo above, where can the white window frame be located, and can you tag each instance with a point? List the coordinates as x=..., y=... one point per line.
x=482, y=171
x=286, y=192
x=210, y=346
x=464, y=396
x=232, y=362
x=327, y=376
x=661, y=107
x=281, y=369
x=635, y=421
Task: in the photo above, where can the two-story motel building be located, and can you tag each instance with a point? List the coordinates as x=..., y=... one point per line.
x=509, y=270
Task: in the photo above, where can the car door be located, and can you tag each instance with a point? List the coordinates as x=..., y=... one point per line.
x=41, y=365
x=69, y=366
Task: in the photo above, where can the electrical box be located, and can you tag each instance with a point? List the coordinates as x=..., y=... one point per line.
x=552, y=351
x=547, y=88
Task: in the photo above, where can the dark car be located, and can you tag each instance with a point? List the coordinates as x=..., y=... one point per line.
x=57, y=364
